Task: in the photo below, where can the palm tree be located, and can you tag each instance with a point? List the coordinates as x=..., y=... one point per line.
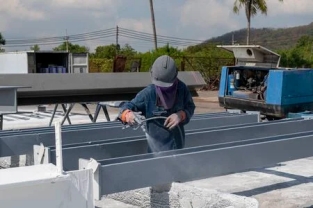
x=251, y=8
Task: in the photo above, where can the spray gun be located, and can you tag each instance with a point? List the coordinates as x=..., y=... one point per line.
x=139, y=122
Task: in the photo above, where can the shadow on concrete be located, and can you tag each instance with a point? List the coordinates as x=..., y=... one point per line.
x=297, y=181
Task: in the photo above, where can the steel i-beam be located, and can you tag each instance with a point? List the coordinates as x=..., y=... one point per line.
x=23, y=143
x=137, y=146
x=199, y=163
x=106, y=124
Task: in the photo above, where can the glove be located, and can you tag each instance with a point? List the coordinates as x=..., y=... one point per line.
x=130, y=117
x=172, y=121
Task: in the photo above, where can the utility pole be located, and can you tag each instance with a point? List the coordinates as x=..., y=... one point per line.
x=117, y=47
x=66, y=38
x=153, y=24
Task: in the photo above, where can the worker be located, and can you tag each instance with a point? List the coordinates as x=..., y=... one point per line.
x=166, y=97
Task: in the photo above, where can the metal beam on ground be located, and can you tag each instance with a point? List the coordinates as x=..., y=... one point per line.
x=137, y=146
x=200, y=164
x=102, y=124
x=86, y=87
x=22, y=143
x=199, y=148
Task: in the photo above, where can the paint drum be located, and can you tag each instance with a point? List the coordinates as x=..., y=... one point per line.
x=52, y=70
x=60, y=69
x=44, y=70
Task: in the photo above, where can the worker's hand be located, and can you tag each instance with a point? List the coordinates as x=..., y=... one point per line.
x=172, y=121
x=130, y=117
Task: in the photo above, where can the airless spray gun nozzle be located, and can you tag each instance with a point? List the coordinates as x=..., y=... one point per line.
x=139, y=122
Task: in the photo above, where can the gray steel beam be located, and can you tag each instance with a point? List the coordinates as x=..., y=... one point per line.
x=142, y=136
x=200, y=148
x=90, y=87
x=99, y=124
x=23, y=143
x=137, y=146
x=202, y=164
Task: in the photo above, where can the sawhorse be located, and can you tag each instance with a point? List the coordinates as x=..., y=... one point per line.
x=103, y=105
x=100, y=105
x=68, y=111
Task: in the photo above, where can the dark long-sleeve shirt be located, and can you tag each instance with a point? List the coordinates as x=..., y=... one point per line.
x=146, y=101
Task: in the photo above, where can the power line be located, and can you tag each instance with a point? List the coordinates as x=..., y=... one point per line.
x=142, y=38
x=170, y=37
x=87, y=36
x=144, y=35
x=126, y=33
x=59, y=42
x=60, y=39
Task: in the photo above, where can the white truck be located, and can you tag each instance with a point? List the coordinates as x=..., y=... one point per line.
x=25, y=62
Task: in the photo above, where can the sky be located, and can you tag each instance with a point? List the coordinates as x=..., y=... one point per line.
x=192, y=19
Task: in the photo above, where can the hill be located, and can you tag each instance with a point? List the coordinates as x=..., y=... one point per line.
x=272, y=38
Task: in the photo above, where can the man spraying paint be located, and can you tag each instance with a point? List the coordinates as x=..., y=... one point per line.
x=168, y=97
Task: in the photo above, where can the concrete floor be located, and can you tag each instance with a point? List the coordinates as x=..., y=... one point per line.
x=288, y=185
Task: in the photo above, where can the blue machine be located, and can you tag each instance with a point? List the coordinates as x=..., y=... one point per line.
x=256, y=83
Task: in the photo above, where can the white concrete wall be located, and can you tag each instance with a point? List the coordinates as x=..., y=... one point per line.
x=13, y=63
x=40, y=186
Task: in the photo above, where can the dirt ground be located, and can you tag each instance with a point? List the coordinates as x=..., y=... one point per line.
x=207, y=102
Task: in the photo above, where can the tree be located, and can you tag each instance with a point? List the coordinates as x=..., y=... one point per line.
x=35, y=48
x=251, y=9
x=300, y=55
x=2, y=42
x=107, y=52
x=127, y=51
x=73, y=48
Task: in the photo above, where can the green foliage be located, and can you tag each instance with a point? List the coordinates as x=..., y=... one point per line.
x=127, y=50
x=251, y=7
x=73, y=48
x=208, y=59
x=299, y=56
x=149, y=57
x=102, y=59
x=2, y=42
x=104, y=52
x=35, y=48
x=97, y=65
x=110, y=51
